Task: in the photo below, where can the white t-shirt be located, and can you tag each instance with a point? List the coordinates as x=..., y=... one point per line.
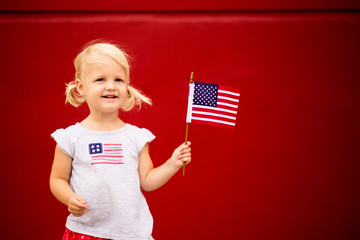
x=105, y=173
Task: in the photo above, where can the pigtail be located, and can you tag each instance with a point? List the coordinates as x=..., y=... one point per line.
x=72, y=96
x=134, y=99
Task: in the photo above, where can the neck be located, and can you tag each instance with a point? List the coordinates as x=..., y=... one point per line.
x=103, y=122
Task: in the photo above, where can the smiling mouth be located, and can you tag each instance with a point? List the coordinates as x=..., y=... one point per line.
x=109, y=97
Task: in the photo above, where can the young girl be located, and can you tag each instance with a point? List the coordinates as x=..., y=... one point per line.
x=101, y=163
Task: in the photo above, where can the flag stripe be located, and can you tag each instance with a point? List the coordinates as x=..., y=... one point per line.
x=214, y=120
x=214, y=114
x=227, y=104
x=215, y=109
x=106, y=159
x=231, y=90
x=228, y=93
x=93, y=163
x=231, y=104
x=111, y=156
x=229, y=99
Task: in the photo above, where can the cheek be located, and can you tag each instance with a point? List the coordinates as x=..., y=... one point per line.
x=124, y=91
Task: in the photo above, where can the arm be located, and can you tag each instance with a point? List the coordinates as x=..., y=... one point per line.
x=59, y=184
x=152, y=178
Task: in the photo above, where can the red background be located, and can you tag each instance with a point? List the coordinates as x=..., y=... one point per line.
x=290, y=169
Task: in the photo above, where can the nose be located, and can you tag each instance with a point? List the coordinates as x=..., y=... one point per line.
x=110, y=85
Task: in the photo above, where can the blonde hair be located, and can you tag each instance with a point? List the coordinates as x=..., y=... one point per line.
x=90, y=52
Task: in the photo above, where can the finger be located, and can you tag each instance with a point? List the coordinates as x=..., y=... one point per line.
x=81, y=200
x=186, y=160
x=76, y=208
x=186, y=150
x=185, y=145
x=185, y=156
x=77, y=214
x=75, y=203
x=182, y=147
x=81, y=204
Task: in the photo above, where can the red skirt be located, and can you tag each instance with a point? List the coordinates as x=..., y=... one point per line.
x=70, y=235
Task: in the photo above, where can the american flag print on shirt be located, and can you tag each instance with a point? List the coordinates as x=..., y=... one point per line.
x=106, y=153
x=213, y=104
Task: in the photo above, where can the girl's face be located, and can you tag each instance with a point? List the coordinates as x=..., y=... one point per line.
x=104, y=85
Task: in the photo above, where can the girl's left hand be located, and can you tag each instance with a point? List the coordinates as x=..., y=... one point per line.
x=181, y=154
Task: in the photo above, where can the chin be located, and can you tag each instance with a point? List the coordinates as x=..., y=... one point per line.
x=110, y=109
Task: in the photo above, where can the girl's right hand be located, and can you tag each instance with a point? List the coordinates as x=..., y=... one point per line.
x=181, y=155
x=77, y=206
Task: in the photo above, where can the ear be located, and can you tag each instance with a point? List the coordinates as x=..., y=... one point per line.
x=80, y=87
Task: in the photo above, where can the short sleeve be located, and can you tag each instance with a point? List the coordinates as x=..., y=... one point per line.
x=63, y=141
x=145, y=136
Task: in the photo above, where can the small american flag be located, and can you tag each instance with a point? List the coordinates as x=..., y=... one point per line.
x=105, y=153
x=212, y=104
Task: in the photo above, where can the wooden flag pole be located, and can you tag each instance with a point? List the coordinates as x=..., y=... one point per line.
x=187, y=124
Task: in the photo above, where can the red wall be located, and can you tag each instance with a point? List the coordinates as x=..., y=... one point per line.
x=184, y=5
x=290, y=169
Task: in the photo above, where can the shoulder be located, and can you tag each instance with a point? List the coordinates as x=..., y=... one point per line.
x=72, y=130
x=65, y=138
x=68, y=135
x=138, y=131
x=139, y=136
x=132, y=128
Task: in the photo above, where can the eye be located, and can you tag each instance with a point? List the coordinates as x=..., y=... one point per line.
x=100, y=80
x=118, y=80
